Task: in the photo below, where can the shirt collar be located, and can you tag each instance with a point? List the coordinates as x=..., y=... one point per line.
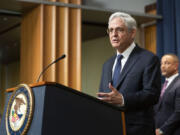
x=170, y=79
x=128, y=51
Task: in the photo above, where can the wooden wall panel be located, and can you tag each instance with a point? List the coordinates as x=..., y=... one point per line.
x=31, y=45
x=57, y=31
x=150, y=31
x=150, y=38
x=75, y=46
x=49, y=40
x=62, y=67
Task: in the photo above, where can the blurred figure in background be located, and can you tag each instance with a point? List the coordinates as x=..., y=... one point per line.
x=168, y=109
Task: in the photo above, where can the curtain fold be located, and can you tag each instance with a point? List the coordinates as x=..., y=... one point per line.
x=168, y=29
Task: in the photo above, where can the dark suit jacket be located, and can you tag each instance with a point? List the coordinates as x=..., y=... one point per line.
x=139, y=83
x=168, y=109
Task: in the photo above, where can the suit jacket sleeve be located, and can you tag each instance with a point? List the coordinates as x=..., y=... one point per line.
x=174, y=120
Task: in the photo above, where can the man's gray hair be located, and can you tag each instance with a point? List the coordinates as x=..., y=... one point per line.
x=129, y=21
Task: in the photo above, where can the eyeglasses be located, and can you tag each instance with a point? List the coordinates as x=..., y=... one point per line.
x=116, y=30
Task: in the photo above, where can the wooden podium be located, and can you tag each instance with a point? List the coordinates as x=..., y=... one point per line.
x=59, y=110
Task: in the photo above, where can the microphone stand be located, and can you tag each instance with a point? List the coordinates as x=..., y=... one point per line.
x=62, y=57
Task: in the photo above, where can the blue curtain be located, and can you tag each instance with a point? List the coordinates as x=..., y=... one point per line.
x=168, y=29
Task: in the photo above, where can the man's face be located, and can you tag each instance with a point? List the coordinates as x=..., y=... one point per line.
x=119, y=35
x=168, y=66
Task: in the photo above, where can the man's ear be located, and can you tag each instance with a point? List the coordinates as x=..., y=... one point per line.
x=133, y=33
x=176, y=66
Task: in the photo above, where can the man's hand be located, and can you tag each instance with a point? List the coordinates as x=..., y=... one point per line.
x=158, y=132
x=113, y=97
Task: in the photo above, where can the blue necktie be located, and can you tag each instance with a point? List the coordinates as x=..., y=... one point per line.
x=117, y=70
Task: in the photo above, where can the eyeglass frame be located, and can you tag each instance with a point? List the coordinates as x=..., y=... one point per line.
x=117, y=30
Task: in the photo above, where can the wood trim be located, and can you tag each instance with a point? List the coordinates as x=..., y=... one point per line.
x=150, y=38
x=123, y=123
x=150, y=8
x=32, y=85
x=150, y=31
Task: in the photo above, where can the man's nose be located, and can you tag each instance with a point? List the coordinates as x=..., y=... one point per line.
x=114, y=32
x=162, y=65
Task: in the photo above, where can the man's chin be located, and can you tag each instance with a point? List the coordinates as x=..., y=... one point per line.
x=116, y=46
x=164, y=74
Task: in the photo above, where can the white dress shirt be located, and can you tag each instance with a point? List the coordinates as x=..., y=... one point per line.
x=125, y=54
x=170, y=79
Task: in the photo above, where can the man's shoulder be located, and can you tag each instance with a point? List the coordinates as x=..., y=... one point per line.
x=145, y=52
x=145, y=55
x=176, y=83
x=177, y=79
x=176, y=86
x=109, y=62
x=111, y=59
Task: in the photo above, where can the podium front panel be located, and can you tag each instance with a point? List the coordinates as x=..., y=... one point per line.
x=60, y=110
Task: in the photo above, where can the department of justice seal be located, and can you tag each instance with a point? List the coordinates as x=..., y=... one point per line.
x=19, y=110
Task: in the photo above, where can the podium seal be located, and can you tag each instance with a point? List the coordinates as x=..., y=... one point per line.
x=20, y=110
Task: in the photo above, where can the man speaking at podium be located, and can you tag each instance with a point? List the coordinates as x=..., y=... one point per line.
x=131, y=78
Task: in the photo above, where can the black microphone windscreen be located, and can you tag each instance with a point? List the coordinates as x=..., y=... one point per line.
x=62, y=57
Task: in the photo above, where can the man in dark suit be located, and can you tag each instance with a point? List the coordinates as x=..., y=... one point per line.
x=168, y=109
x=131, y=78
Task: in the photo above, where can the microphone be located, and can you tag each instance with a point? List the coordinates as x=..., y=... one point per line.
x=61, y=57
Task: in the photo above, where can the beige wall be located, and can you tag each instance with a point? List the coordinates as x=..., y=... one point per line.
x=94, y=54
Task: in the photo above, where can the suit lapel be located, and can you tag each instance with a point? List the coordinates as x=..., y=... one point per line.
x=129, y=64
x=168, y=89
x=110, y=67
x=170, y=86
